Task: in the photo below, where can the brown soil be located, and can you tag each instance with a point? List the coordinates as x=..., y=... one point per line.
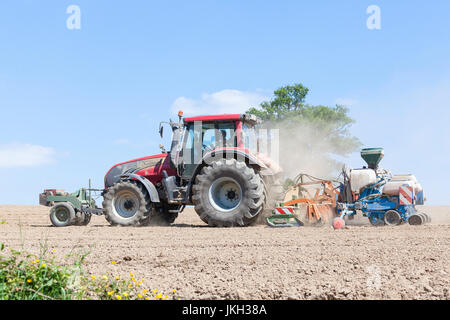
x=358, y=262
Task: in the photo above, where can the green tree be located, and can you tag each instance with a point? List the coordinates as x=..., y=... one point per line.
x=309, y=134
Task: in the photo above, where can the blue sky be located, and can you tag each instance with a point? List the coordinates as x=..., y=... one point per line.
x=75, y=102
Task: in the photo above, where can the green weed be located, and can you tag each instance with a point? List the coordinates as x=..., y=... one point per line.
x=28, y=277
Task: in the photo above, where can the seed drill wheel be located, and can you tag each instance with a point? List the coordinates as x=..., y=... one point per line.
x=426, y=217
x=419, y=219
x=126, y=203
x=62, y=214
x=392, y=218
x=228, y=193
x=416, y=220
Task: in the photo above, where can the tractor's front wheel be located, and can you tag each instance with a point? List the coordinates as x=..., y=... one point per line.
x=126, y=204
x=228, y=193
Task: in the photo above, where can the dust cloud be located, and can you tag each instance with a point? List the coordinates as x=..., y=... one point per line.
x=306, y=148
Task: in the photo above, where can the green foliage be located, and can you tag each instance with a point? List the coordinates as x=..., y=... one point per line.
x=22, y=276
x=288, y=100
x=25, y=277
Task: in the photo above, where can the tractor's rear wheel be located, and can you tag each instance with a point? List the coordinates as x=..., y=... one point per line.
x=228, y=193
x=274, y=194
x=127, y=204
x=62, y=214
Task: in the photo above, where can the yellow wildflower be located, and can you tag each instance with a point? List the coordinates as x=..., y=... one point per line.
x=114, y=262
x=93, y=277
x=139, y=295
x=118, y=297
x=29, y=280
x=105, y=277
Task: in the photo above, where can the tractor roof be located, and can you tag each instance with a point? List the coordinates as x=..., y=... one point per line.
x=214, y=117
x=224, y=117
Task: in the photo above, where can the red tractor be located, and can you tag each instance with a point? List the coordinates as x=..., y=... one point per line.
x=214, y=164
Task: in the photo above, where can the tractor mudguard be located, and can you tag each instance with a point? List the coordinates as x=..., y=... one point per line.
x=150, y=187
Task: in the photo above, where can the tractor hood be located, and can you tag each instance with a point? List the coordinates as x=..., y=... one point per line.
x=133, y=166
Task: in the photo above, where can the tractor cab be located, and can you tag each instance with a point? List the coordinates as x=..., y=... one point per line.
x=197, y=138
